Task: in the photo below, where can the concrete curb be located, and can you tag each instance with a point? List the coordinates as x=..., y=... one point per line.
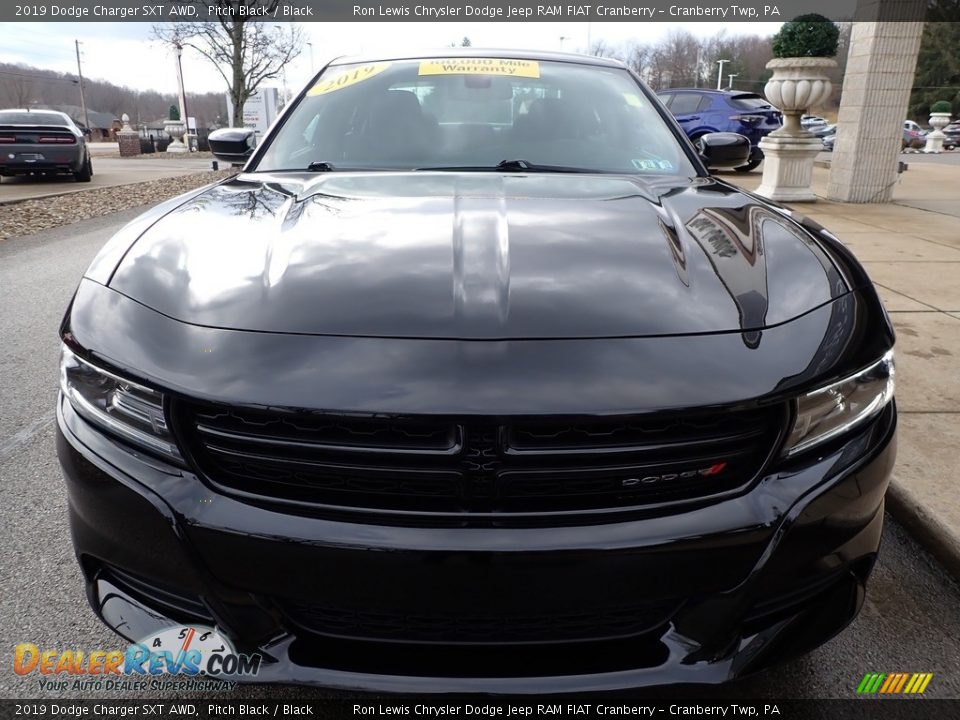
x=928, y=530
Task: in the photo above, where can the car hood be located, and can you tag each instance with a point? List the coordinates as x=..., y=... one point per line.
x=477, y=256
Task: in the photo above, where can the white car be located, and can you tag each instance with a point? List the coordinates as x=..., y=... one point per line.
x=812, y=121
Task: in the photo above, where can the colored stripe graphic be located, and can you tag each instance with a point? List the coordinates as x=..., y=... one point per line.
x=894, y=683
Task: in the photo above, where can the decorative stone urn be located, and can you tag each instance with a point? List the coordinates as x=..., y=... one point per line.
x=175, y=129
x=797, y=85
x=935, y=138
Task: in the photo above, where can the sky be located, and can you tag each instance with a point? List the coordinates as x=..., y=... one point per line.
x=124, y=54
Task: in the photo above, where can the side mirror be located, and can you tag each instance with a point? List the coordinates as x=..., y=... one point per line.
x=723, y=150
x=232, y=145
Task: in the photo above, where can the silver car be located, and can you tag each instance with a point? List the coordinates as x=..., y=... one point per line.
x=42, y=142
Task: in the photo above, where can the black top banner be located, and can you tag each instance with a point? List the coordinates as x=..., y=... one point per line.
x=455, y=10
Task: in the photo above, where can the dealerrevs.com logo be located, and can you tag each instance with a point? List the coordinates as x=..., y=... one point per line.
x=200, y=656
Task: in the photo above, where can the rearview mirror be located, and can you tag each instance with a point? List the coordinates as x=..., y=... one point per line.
x=232, y=145
x=723, y=150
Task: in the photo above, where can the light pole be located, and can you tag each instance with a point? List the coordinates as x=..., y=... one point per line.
x=720, y=73
x=562, y=39
x=311, y=57
x=730, y=78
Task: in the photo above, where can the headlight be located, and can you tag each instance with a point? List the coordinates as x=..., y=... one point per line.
x=122, y=408
x=830, y=411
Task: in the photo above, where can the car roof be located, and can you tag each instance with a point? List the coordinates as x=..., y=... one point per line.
x=708, y=91
x=472, y=52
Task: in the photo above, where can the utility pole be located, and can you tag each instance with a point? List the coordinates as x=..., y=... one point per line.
x=83, y=102
x=311, y=57
x=720, y=73
x=183, y=94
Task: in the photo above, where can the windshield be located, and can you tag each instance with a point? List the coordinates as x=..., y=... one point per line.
x=32, y=118
x=750, y=102
x=473, y=114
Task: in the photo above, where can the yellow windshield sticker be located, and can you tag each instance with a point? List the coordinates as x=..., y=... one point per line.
x=481, y=66
x=346, y=78
x=633, y=100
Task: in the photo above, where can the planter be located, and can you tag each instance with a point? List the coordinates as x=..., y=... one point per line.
x=798, y=84
x=175, y=129
x=938, y=121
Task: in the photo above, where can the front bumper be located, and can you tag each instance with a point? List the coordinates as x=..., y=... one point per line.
x=715, y=592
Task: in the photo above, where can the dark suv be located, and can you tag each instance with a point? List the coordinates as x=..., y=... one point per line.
x=702, y=111
x=474, y=379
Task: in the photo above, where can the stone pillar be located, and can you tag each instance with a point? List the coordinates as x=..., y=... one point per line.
x=128, y=138
x=873, y=106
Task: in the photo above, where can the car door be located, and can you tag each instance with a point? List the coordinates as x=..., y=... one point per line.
x=686, y=109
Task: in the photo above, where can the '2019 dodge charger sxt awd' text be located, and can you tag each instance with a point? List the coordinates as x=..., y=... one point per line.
x=475, y=379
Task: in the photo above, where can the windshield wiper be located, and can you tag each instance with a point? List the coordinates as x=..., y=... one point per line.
x=517, y=165
x=321, y=166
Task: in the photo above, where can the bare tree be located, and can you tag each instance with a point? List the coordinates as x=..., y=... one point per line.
x=601, y=48
x=674, y=62
x=638, y=58
x=245, y=51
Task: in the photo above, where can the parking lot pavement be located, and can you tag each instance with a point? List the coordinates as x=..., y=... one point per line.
x=107, y=172
x=909, y=623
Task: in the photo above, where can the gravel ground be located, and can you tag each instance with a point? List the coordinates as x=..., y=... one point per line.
x=202, y=155
x=33, y=216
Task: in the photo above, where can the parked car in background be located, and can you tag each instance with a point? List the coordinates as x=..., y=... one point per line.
x=42, y=142
x=812, y=121
x=914, y=136
x=700, y=111
x=440, y=395
x=952, y=133
x=827, y=135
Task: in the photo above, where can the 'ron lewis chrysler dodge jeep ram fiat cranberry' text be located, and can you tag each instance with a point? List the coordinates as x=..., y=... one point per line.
x=474, y=378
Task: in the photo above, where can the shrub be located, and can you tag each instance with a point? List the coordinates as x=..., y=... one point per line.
x=807, y=36
x=173, y=113
x=941, y=106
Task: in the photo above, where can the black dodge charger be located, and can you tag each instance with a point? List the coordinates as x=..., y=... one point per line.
x=474, y=379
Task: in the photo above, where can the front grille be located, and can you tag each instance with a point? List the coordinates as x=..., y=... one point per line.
x=474, y=627
x=478, y=465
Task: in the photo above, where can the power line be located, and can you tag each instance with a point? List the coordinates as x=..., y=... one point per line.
x=41, y=78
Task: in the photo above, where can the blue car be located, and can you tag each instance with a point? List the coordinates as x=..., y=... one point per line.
x=700, y=111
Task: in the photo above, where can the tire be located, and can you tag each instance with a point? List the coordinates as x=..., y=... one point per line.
x=756, y=157
x=85, y=173
x=754, y=162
